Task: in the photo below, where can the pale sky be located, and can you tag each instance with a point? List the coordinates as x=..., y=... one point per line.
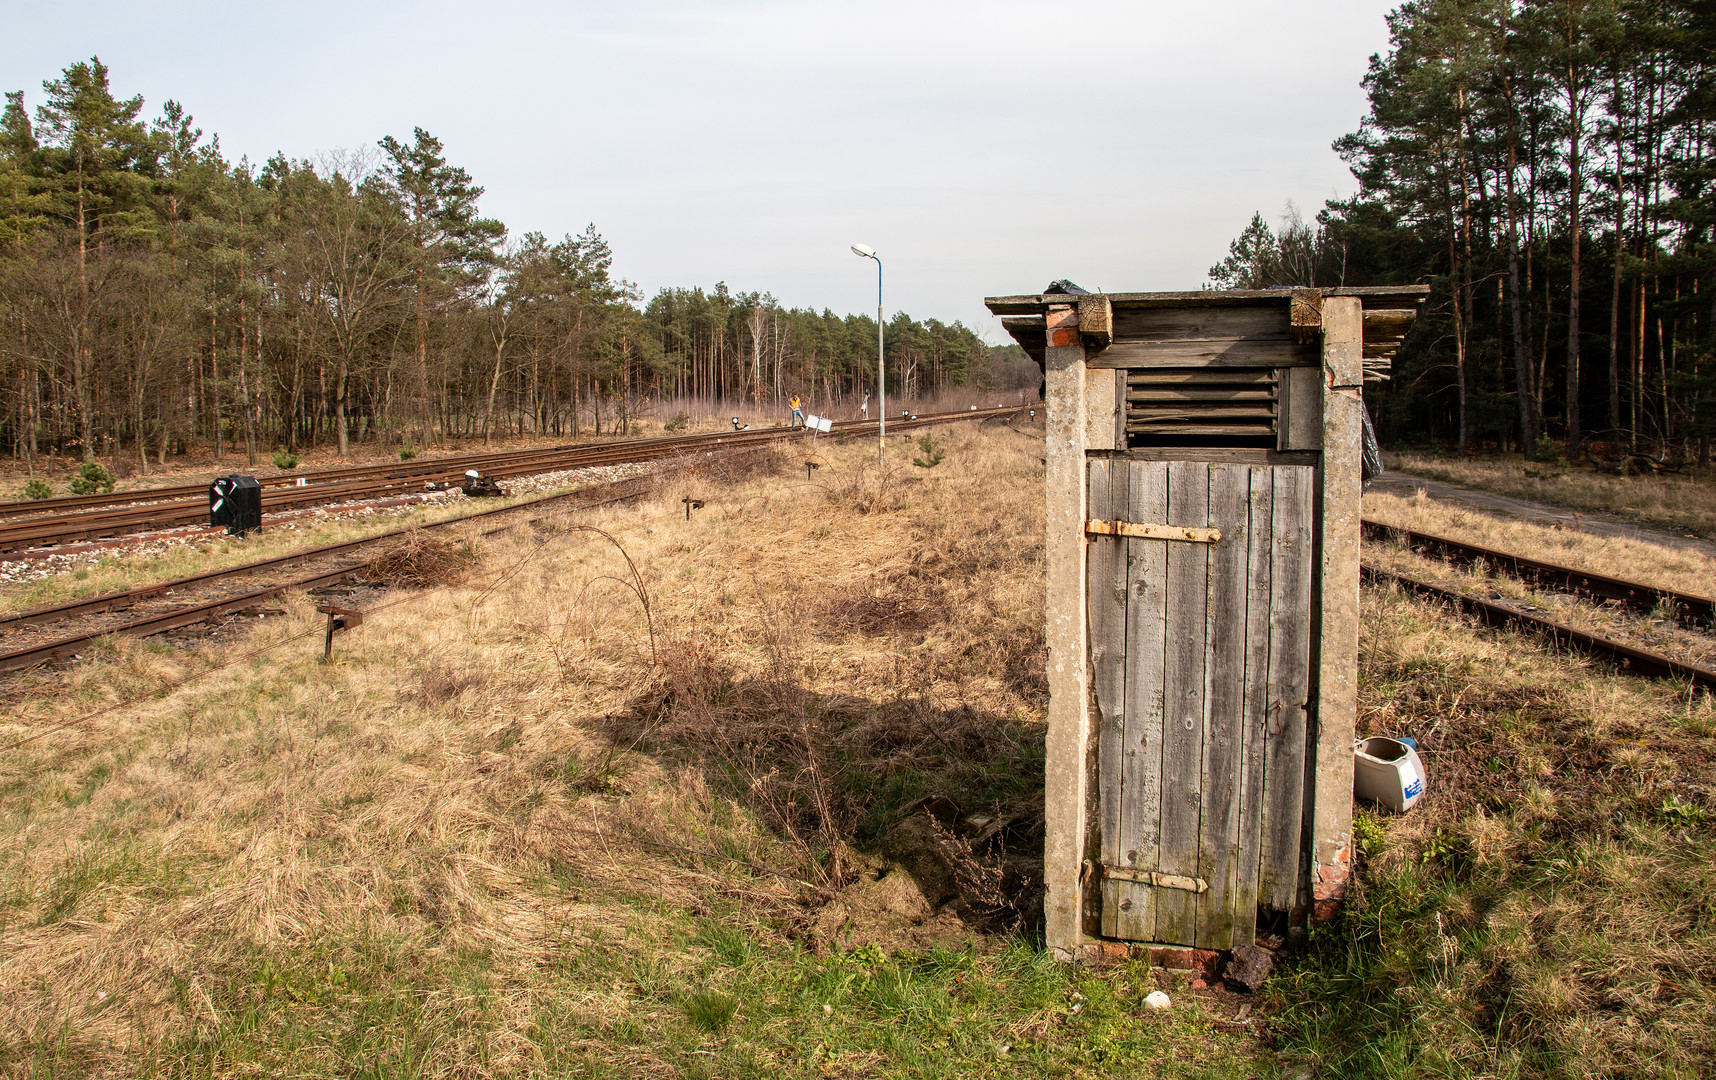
x=981, y=148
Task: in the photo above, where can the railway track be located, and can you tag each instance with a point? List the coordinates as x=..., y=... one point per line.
x=65, y=646
x=1683, y=607
x=189, y=504
x=44, y=649
x=1629, y=658
x=1692, y=611
x=391, y=470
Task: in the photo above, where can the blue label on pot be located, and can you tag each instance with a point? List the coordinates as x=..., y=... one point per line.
x=1414, y=788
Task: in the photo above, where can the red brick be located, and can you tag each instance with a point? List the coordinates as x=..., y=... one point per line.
x=1060, y=316
x=1064, y=337
x=1177, y=959
x=1327, y=909
x=1333, y=873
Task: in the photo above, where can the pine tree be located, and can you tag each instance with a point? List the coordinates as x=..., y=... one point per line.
x=454, y=249
x=95, y=158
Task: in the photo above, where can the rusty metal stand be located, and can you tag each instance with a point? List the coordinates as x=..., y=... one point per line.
x=339, y=618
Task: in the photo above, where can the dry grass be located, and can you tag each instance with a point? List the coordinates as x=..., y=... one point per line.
x=1680, y=569
x=1663, y=635
x=418, y=561
x=1684, y=504
x=495, y=837
x=1550, y=909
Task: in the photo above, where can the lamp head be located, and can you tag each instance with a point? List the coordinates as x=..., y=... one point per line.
x=864, y=251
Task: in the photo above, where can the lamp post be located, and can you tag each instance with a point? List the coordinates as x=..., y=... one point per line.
x=864, y=251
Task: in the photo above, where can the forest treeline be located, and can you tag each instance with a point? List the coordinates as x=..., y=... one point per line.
x=1547, y=167
x=154, y=295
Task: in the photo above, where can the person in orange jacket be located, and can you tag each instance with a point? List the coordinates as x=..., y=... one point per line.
x=797, y=413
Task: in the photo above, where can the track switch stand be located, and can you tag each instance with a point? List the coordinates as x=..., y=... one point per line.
x=339, y=618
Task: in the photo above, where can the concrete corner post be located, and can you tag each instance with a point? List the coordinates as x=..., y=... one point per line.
x=1066, y=780
x=1337, y=669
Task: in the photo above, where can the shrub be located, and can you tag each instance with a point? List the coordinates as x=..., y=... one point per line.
x=681, y=420
x=1547, y=449
x=934, y=453
x=285, y=459
x=38, y=488
x=407, y=452
x=91, y=478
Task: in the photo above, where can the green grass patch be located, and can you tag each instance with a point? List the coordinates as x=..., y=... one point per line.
x=1550, y=911
x=663, y=1007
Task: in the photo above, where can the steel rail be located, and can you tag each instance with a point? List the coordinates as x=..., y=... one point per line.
x=28, y=532
x=130, y=597
x=417, y=469
x=40, y=532
x=615, y=491
x=1685, y=607
x=62, y=648
x=21, y=507
x=1629, y=658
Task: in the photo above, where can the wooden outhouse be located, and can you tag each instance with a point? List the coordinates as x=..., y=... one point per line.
x=1203, y=482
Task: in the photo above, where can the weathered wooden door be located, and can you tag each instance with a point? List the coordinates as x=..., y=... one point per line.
x=1201, y=669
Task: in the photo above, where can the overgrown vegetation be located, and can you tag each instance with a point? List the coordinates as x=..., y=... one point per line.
x=1550, y=909
x=420, y=562
x=1685, y=569
x=493, y=838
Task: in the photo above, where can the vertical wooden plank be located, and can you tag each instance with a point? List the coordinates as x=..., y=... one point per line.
x=1120, y=439
x=1262, y=500
x=1224, y=679
x=1183, y=701
x=1106, y=567
x=1289, y=687
x=1146, y=643
x=1301, y=401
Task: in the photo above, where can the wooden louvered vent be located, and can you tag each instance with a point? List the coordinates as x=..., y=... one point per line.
x=1203, y=406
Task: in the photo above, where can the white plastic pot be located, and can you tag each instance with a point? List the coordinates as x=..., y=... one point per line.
x=1389, y=771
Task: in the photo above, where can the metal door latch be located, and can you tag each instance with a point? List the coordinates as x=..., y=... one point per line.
x=1151, y=877
x=1148, y=531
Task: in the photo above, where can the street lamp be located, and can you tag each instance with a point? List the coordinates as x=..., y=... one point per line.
x=864, y=251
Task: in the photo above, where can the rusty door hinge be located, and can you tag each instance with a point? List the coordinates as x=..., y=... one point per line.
x=1148, y=531
x=1151, y=877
